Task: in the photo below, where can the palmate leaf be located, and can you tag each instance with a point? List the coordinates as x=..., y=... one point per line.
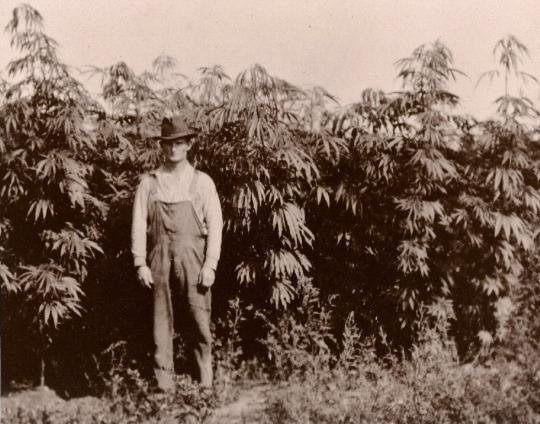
x=525, y=76
x=386, y=167
x=76, y=192
x=515, y=106
x=39, y=280
x=212, y=88
x=508, y=181
x=24, y=15
x=408, y=298
x=282, y=263
x=492, y=285
x=531, y=199
x=349, y=197
x=442, y=309
x=71, y=288
x=513, y=225
x=54, y=312
x=274, y=196
x=413, y=257
x=71, y=244
x=47, y=167
x=57, y=297
x=479, y=208
x=289, y=221
x=8, y=280
x=282, y=294
x=250, y=196
x=434, y=164
x=491, y=75
x=420, y=212
x=330, y=147
x=246, y=272
x=299, y=161
x=505, y=254
x=15, y=115
x=322, y=194
x=12, y=186
x=460, y=216
x=41, y=209
x=428, y=68
x=516, y=158
x=72, y=249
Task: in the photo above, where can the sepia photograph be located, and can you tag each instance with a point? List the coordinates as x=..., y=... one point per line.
x=275, y=212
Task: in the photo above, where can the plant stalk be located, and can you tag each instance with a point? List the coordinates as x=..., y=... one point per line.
x=42, y=372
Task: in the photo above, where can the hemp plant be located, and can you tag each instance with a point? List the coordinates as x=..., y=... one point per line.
x=503, y=181
x=428, y=209
x=509, y=54
x=263, y=171
x=47, y=210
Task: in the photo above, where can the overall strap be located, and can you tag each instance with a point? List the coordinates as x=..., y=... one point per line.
x=196, y=201
x=153, y=187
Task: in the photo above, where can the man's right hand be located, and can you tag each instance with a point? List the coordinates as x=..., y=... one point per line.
x=145, y=276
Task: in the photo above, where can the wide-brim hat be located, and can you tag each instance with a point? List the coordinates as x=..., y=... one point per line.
x=175, y=128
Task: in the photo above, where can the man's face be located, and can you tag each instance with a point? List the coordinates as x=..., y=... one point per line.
x=175, y=151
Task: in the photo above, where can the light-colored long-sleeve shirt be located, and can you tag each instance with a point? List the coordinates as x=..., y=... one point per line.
x=174, y=187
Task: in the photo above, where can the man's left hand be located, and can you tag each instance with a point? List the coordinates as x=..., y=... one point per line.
x=207, y=276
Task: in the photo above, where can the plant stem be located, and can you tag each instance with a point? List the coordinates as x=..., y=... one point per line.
x=42, y=372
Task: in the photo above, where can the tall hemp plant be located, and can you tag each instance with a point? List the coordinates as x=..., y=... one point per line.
x=263, y=174
x=47, y=211
x=429, y=214
x=504, y=194
x=391, y=189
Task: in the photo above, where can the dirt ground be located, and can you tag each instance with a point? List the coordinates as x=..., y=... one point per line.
x=247, y=408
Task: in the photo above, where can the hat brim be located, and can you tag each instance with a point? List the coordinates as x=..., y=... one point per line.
x=176, y=136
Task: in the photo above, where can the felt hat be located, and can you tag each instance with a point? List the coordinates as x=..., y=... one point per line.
x=174, y=128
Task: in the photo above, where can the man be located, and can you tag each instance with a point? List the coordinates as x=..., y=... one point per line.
x=178, y=207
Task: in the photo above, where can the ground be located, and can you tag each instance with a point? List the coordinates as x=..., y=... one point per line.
x=247, y=408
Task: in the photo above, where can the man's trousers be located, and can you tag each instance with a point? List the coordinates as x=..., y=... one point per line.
x=175, y=261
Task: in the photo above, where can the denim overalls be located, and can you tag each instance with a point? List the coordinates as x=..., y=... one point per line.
x=177, y=246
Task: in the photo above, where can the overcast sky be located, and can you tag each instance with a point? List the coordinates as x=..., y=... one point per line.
x=345, y=46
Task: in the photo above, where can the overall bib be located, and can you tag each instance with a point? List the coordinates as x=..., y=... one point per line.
x=177, y=246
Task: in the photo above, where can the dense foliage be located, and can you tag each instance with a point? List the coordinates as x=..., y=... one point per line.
x=396, y=207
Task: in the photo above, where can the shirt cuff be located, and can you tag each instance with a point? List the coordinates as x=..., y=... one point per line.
x=211, y=263
x=138, y=261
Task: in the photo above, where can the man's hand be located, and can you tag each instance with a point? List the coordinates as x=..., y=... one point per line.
x=145, y=276
x=207, y=276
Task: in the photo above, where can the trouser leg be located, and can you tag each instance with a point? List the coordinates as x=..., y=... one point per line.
x=202, y=344
x=163, y=331
x=187, y=267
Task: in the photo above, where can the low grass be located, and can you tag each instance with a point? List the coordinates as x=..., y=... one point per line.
x=307, y=382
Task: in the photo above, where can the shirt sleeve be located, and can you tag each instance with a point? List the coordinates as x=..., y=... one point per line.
x=214, y=222
x=139, y=223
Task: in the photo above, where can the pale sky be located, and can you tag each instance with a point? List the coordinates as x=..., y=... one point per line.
x=344, y=46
